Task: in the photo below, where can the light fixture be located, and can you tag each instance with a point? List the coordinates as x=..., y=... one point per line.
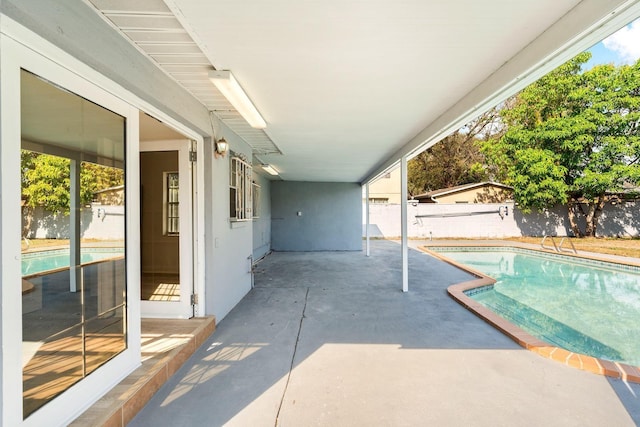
x=222, y=146
x=230, y=88
x=269, y=169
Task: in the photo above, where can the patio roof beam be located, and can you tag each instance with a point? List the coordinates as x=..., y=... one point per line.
x=366, y=213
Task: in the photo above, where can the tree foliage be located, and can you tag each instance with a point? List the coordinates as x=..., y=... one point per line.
x=571, y=137
x=46, y=181
x=456, y=159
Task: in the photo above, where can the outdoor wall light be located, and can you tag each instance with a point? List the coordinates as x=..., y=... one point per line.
x=222, y=146
x=231, y=89
x=269, y=169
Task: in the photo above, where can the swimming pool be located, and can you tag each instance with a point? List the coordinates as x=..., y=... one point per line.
x=584, y=306
x=38, y=262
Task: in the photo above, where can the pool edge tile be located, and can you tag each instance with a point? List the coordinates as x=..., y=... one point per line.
x=526, y=340
x=628, y=372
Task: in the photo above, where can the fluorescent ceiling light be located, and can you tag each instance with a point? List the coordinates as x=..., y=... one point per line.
x=230, y=88
x=269, y=169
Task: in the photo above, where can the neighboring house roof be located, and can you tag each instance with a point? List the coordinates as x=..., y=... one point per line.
x=629, y=189
x=629, y=192
x=116, y=188
x=110, y=196
x=433, y=195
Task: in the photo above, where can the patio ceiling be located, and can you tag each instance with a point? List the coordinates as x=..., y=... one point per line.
x=347, y=87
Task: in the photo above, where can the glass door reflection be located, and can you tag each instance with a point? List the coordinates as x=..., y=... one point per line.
x=73, y=251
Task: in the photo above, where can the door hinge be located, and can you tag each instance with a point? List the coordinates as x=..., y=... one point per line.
x=193, y=156
x=194, y=299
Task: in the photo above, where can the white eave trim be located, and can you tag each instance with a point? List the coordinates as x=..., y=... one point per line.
x=523, y=69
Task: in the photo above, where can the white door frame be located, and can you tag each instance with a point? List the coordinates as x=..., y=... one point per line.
x=14, y=56
x=19, y=47
x=180, y=309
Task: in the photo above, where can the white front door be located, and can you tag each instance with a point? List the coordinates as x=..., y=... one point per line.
x=166, y=232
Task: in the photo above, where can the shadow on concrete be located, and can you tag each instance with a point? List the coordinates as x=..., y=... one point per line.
x=329, y=338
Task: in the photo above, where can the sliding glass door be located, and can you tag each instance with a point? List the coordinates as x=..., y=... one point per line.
x=73, y=251
x=69, y=329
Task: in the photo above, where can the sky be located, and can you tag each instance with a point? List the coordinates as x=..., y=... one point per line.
x=622, y=47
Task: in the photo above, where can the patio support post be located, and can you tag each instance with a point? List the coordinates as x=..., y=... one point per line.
x=403, y=213
x=74, y=227
x=366, y=213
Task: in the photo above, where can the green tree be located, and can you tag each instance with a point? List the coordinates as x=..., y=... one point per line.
x=46, y=181
x=571, y=137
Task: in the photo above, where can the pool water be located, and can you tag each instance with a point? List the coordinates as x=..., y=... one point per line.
x=591, y=308
x=38, y=262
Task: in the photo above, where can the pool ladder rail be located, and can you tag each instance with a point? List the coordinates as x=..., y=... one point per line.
x=558, y=247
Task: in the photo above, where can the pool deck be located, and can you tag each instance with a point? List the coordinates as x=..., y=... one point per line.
x=329, y=338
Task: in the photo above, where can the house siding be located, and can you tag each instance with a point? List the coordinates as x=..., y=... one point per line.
x=66, y=24
x=76, y=29
x=484, y=194
x=228, y=265
x=386, y=187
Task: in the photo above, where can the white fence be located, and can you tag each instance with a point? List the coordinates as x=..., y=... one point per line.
x=428, y=220
x=101, y=222
x=425, y=220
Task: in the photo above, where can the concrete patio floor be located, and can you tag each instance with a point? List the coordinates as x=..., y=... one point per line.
x=329, y=339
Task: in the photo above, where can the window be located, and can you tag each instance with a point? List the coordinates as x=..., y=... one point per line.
x=240, y=190
x=171, y=204
x=378, y=200
x=256, y=199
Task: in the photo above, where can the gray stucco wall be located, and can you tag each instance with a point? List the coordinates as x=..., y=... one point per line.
x=330, y=220
x=77, y=29
x=228, y=263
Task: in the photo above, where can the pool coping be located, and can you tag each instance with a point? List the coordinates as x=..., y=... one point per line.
x=581, y=361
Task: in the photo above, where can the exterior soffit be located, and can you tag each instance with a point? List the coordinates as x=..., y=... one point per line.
x=155, y=31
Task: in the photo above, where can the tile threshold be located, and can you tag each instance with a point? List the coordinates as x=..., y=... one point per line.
x=166, y=345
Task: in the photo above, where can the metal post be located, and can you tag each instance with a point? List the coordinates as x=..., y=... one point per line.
x=403, y=210
x=74, y=228
x=366, y=210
